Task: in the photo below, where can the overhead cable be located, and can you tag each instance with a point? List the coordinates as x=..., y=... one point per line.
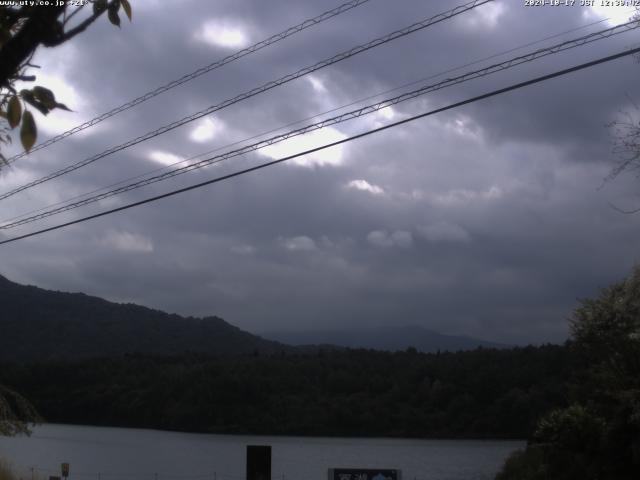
x=332, y=144
x=197, y=73
x=297, y=122
x=368, y=109
x=258, y=90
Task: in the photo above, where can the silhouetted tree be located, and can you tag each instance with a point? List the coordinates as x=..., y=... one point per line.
x=22, y=30
x=598, y=436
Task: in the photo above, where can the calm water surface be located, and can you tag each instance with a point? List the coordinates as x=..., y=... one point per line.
x=97, y=453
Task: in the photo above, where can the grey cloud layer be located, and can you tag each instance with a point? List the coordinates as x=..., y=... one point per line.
x=485, y=220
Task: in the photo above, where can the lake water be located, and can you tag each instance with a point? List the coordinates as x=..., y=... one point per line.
x=97, y=453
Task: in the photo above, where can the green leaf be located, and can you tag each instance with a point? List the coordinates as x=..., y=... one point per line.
x=45, y=97
x=28, y=97
x=62, y=106
x=126, y=6
x=113, y=14
x=14, y=111
x=28, y=131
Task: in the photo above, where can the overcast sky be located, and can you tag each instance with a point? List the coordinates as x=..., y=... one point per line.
x=490, y=220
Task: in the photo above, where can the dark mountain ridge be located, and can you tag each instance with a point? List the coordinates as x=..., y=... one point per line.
x=389, y=338
x=39, y=324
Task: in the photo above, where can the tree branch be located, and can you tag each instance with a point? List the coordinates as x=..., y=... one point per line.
x=39, y=27
x=72, y=14
x=25, y=78
x=626, y=212
x=82, y=26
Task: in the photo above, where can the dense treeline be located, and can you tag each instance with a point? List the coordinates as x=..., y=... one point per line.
x=480, y=393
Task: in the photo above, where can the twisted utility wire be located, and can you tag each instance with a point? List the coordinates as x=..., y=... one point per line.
x=368, y=109
x=267, y=86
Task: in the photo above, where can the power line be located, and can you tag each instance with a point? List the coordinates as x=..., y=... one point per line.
x=537, y=54
x=267, y=86
x=201, y=71
x=338, y=119
x=355, y=102
x=333, y=144
x=273, y=130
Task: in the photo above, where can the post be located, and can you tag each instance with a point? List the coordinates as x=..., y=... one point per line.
x=259, y=462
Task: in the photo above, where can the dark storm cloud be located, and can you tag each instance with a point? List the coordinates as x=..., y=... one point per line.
x=485, y=220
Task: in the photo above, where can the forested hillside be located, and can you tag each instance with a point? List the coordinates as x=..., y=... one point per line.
x=481, y=393
x=38, y=324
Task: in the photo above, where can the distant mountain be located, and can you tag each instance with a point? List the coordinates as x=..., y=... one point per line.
x=383, y=338
x=38, y=324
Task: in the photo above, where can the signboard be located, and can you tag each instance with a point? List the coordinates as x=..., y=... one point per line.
x=65, y=469
x=364, y=474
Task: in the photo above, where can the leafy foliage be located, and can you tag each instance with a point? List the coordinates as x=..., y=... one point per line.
x=598, y=436
x=15, y=413
x=23, y=28
x=528, y=464
x=607, y=332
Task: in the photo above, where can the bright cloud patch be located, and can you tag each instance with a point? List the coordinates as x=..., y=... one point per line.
x=443, y=232
x=387, y=113
x=127, y=242
x=382, y=238
x=365, y=186
x=301, y=243
x=164, y=158
x=206, y=130
x=615, y=14
x=486, y=16
x=465, y=127
x=317, y=84
x=14, y=177
x=222, y=33
x=329, y=156
x=460, y=196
